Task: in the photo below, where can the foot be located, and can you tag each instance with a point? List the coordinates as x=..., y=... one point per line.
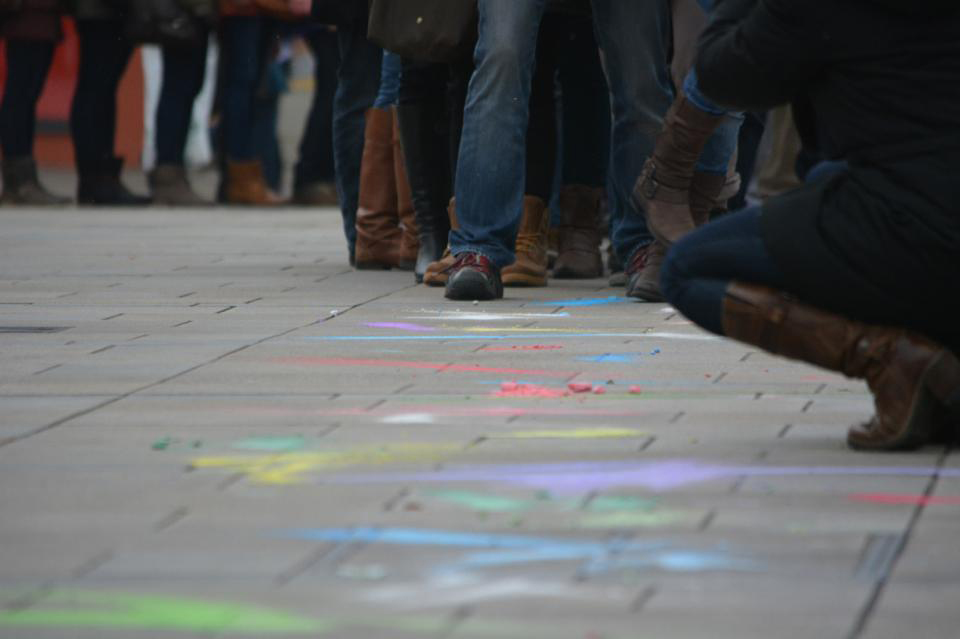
x=645, y=283
x=474, y=277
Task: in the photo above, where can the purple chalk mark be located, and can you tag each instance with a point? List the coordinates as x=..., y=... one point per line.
x=402, y=326
x=584, y=477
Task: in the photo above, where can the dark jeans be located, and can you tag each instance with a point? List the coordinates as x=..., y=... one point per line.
x=27, y=65
x=699, y=267
x=104, y=54
x=183, y=72
x=315, y=157
x=358, y=80
x=241, y=72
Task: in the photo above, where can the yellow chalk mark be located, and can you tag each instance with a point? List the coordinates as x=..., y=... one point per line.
x=576, y=433
x=293, y=468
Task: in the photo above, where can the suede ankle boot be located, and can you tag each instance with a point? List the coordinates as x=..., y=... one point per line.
x=438, y=272
x=578, y=236
x=378, y=222
x=101, y=186
x=911, y=377
x=170, y=187
x=246, y=185
x=662, y=191
x=21, y=186
x=530, y=266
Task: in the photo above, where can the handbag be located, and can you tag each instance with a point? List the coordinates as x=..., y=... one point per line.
x=426, y=30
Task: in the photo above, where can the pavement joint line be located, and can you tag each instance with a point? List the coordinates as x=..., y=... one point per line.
x=92, y=564
x=113, y=400
x=783, y=431
x=642, y=599
x=903, y=540
x=171, y=519
x=395, y=499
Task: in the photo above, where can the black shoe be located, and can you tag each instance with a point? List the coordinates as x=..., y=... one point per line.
x=102, y=187
x=474, y=277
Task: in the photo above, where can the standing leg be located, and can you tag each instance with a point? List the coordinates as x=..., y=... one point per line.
x=314, y=175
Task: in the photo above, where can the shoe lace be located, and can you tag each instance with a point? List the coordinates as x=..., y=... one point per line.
x=471, y=260
x=527, y=243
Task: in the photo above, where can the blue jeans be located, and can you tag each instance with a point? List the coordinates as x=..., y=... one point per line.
x=491, y=174
x=390, y=71
x=701, y=265
x=358, y=80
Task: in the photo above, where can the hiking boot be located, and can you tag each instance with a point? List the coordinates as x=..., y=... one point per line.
x=530, y=265
x=246, y=185
x=437, y=273
x=473, y=277
x=579, y=234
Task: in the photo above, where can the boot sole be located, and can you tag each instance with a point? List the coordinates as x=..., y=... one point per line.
x=472, y=286
x=524, y=280
x=939, y=388
x=373, y=266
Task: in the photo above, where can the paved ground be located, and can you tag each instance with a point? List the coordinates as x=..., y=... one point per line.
x=211, y=427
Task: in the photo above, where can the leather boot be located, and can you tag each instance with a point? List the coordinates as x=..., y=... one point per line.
x=409, y=233
x=246, y=185
x=438, y=272
x=911, y=377
x=378, y=228
x=662, y=191
x=579, y=234
x=426, y=153
x=21, y=187
x=708, y=192
x=170, y=187
x=101, y=186
x=530, y=267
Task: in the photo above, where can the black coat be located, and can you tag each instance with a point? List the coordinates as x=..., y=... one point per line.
x=881, y=80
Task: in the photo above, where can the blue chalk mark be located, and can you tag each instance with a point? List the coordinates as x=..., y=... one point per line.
x=609, y=357
x=469, y=338
x=496, y=550
x=597, y=301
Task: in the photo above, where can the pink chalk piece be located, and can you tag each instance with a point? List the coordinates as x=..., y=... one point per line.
x=509, y=389
x=599, y=390
x=636, y=390
x=910, y=500
x=580, y=387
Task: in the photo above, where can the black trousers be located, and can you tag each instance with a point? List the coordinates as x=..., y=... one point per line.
x=315, y=158
x=104, y=54
x=28, y=63
x=183, y=73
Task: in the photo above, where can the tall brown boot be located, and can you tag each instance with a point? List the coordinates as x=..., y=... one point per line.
x=579, y=233
x=410, y=234
x=437, y=273
x=245, y=185
x=662, y=191
x=530, y=267
x=378, y=225
x=910, y=376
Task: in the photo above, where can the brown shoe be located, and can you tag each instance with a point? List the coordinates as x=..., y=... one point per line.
x=170, y=187
x=378, y=224
x=21, y=187
x=579, y=233
x=438, y=272
x=910, y=376
x=245, y=185
x=530, y=267
x=645, y=284
x=662, y=191
x=410, y=234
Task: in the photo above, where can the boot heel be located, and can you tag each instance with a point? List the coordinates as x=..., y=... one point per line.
x=943, y=380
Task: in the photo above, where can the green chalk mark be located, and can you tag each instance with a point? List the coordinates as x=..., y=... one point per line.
x=482, y=502
x=162, y=444
x=80, y=609
x=633, y=519
x=613, y=503
x=271, y=444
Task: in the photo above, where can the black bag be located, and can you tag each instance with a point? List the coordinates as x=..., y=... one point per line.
x=426, y=30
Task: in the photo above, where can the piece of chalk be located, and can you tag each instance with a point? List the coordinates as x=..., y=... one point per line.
x=635, y=390
x=580, y=387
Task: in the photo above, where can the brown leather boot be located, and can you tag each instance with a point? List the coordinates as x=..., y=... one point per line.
x=378, y=225
x=438, y=272
x=662, y=191
x=245, y=185
x=579, y=234
x=169, y=186
x=530, y=267
x=910, y=376
x=410, y=234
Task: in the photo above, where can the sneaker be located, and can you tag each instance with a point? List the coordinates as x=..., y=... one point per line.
x=638, y=262
x=645, y=283
x=474, y=277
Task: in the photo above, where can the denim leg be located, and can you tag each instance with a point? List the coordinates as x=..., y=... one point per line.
x=240, y=37
x=634, y=36
x=28, y=63
x=390, y=72
x=183, y=71
x=701, y=265
x=491, y=173
x=358, y=79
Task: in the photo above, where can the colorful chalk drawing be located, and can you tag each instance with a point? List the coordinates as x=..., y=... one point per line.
x=294, y=467
x=596, y=301
x=112, y=612
x=574, y=433
x=575, y=478
x=483, y=337
x=594, y=557
x=401, y=364
x=485, y=317
x=912, y=500
x=75, y=609
x=271, y=443
x=401, y=326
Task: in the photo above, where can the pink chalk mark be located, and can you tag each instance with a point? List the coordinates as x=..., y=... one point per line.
x=440, y=368
x=524, y=347
x=512, y=389
x=403, y=326
x=914, y=500
x=599, y=390
x=580, y=387
x=636, y=390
